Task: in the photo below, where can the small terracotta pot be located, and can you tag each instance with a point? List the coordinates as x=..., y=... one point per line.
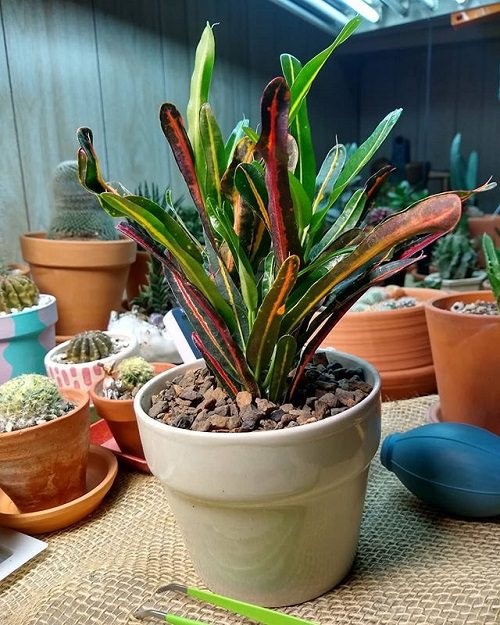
x=466, y=354
x=137, y=276
x=45, y=465
x=396, y=342
x=87, y=278
x=120, y=416
x=489, y=224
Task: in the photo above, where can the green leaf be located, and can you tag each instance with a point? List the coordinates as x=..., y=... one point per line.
x=266, y=328
x=301, y=204
x=283, y=360
x=311, y=69
x=201, y=79
x=327, y=177
x=251, y=134
x=492, y=258
x=437, y=214
x=236, y=135
x=301, y=130
x=215, y=156
x=250, y=183
x=347, y=220
x=364, y=153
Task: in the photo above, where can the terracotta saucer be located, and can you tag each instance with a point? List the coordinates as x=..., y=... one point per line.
x=100, y=434
x=408, y=383
x=101, y=472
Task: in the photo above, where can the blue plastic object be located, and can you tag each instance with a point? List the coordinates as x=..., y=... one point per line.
x=452, y=466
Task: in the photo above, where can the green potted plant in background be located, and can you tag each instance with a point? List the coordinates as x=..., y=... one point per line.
x=456, y=262
x=27, y=325
x=465, y=334
x=81, y=257
x=271, y=517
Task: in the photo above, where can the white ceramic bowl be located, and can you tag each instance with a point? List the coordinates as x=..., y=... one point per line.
x=86, y=374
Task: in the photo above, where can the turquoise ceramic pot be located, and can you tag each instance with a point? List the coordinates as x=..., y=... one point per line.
x=25, y=338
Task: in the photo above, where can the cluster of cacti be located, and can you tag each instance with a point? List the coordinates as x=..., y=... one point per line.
x=89, y=346
x=16, y=292
x=28, y=400
x=454, y=256
x=463, y=171
x=126, y=378
x=76, y=213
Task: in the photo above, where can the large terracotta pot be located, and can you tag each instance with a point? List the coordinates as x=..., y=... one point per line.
x=466, y=354
x=396, y=342
x=137, y=276
x=87, y=278
x=45, y=465
x=268, y=517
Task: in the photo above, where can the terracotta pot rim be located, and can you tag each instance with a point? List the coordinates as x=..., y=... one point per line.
x=78, y=396
x=434, y=308
x=398, y=312
x=42, y=236
x=94, y=391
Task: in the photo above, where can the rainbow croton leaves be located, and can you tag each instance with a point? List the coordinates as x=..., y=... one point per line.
x=271, y=281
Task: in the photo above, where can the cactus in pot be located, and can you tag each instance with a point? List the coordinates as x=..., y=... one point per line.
x=44, y=442
x=254, y=295
x=454, y=256
x=89, y=346
x=17, y=292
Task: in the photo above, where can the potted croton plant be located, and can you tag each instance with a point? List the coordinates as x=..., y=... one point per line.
x=269, y=516
x=464, y=330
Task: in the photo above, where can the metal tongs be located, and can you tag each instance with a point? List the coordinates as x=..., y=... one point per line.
x=253, y=612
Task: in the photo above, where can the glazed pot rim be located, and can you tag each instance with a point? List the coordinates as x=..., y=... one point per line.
x=69, y=394
x=307, y=430
x=48, y=360
x=32, y=309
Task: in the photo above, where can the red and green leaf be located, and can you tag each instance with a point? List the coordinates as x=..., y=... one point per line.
x=215, y=366
x=266, y=328
x=213, y=147
x=283, y=360
x=272, y=146
x=250, y=183
x=89, y=171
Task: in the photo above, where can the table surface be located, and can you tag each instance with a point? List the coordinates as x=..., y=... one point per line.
x=414, y=565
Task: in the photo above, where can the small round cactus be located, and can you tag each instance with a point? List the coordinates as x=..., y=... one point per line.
x=89, y=346
x=133, y=372
x=28, y=400
x=17, y=292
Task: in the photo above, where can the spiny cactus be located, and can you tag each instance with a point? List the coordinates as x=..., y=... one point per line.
x=134, y=371
x=155, y=296
x=77, y=214
x=16, y=292
x=454, y=256
x=89, y=346
x=28, y=400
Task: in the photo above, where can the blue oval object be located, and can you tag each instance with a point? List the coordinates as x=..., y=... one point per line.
x=452, y=466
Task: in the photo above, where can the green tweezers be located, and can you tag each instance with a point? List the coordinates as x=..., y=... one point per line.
x=253, y=612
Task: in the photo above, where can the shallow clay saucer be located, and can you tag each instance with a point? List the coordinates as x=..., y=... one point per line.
x=100, y=434
x=101, y=472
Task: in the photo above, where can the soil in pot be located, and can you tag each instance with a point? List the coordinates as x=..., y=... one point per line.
x=193, y=401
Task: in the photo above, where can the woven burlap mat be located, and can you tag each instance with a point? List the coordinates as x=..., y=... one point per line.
x=414, y=565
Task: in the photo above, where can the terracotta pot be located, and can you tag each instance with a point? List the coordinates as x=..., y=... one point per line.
x=25, y=338
x=268, y=517
x=396, y=342
x=120, y=416
x=87, y=278
x=137, y=276
x=466, y=359
x=489, y=224
x=45, y=465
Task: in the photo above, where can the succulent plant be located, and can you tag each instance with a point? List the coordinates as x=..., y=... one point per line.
x=454, y=256
x=254, y=293
x=28, y=400
x=77, y=214
x=155, y=296
x=16, y=292
x=492, y=258
x=134, y=371
x=89, y=346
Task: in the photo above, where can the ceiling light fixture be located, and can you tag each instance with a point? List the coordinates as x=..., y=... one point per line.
x=364, y=9
x=430, y=4
x=318, y=12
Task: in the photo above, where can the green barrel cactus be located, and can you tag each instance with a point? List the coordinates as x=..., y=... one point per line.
x=89, y=346
x=28, y=400
x=77, y=214
x=17, y=292
x=133, y=372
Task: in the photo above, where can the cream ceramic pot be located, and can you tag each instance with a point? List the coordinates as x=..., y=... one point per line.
x=268, y=517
